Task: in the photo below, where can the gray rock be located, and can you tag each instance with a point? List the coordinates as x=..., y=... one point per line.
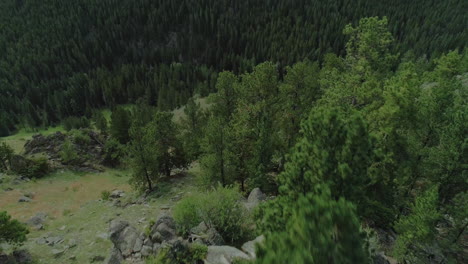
x=29, y=195
x=37, y=221
x=224, y=255
x=115, y=257
x=199, y=229
x=22, y=256
x=138, y=245
x=256, y=196
x=41, y=241
x=24, y=199
x=148, y=242
x=156, y=248
x=146, y=251
x=72, y=243
x=116, y=227
x=51, y=241
x=249, y=247
x=117, y=194
x=123, y=236
x=214, y=238
x=72, y=257
x=57, y=252
x=169, y=221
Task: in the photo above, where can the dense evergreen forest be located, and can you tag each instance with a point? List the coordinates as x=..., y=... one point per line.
x=63, y=58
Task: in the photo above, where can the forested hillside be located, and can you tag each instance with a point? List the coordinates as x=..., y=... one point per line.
x=63, y=58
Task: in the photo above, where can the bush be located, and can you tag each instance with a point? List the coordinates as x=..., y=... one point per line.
x=220, y=209
x=6, y=152
x=68, y=152
x=113, y=152
x=38, y=168
x=180, y=253
x=80, y=137
x=74, y=122
x=11, y=231
x=105, y=195
x=31, y=168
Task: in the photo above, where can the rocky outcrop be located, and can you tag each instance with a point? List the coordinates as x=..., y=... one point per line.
x=129, y=243
x=132, y=246
x=91, y=151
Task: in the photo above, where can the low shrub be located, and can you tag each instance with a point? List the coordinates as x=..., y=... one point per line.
x=180, y=253
x=68, y=152
x=105, y=195
x=31, y=168
x=80, y=137
x=114, y=152
x=220, y=209
x=39, y=168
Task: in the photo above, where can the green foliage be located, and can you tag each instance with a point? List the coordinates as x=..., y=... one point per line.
x=114, y=152
x=100, y=121
x=180, y=254
x=6, y=153
x=80, y=137
x=68, y=153
x=332, y=151
x=11, y=230
x=155, y=150
x=319, y=230
x=192, y=124
x=74, y=122
x=186, y=215
x=417, y=228
x=37, y=168
x=105, y=195
x=219, y=208
x=120, y=124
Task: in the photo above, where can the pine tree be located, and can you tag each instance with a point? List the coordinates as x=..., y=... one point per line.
x=11, y=231
x=417, y=228
x=320, y=229
x=120, y=124
x=155, y=151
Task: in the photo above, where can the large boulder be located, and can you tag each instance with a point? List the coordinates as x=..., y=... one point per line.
x=115, y=257
x=255, y=198
x=224, y=255
x=249, y=247
x=123, y=236
x=163, y=230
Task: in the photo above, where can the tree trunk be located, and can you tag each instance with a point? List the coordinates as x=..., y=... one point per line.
x=148, y=179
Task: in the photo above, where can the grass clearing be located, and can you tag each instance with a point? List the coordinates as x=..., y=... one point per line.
x=76, y=211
